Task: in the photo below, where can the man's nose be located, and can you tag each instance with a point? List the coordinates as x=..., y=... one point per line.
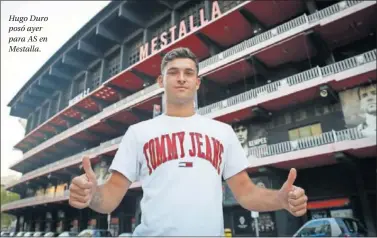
x=181, y=77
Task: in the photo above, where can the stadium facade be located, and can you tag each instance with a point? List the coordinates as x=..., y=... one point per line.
x=296, y=79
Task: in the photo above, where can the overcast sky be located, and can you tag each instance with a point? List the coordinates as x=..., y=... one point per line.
x=64, y=19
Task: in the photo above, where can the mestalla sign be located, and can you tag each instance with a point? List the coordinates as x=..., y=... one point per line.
x=183, y=31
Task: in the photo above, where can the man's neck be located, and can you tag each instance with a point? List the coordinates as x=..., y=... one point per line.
x=370, y=120
x=180, y=110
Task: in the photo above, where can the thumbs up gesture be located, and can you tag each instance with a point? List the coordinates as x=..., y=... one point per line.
x=293, y=198
x=83, y=187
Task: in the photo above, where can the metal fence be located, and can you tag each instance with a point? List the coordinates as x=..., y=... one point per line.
x=306, y=143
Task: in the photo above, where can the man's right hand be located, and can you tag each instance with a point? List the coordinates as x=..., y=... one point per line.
x=83, y=187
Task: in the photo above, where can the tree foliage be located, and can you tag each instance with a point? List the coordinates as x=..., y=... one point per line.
x=7, y=197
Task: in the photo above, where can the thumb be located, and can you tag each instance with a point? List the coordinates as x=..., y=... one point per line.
x=291, y=179
x=88, y=168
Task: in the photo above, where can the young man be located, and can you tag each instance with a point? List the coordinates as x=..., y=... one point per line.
x=180, y=158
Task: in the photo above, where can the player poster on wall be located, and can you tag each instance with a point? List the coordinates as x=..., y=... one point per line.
x=359, y=109
x=252, y=137
x=156, y=110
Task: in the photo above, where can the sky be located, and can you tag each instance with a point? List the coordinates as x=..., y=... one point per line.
x=65, y=18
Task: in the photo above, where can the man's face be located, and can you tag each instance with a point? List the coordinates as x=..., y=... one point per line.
x=368, y=99
x=180, y=81
x=241, y=132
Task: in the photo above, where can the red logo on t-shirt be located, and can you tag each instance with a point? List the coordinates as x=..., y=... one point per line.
x=186, y=164
x=164, y=148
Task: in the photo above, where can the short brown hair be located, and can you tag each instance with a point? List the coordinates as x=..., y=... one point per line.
x=179, y=53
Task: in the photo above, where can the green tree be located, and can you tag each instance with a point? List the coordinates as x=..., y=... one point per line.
x=7, y=197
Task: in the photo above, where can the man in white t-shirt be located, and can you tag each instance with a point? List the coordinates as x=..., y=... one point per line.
x=180, y=158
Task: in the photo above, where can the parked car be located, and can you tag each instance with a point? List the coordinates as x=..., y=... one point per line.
x=326, y=227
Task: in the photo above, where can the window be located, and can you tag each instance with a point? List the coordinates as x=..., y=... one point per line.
x=159, y=29
x=79, y=86
x=228, y=5
x=306, y=131
x=288, y=118
x=37, y=121
x=54, y=105
x=45, y=111
x=300, y=115
x=113, y=65
x=134, y=55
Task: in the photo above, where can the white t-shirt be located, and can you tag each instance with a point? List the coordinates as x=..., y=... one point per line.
x=179, y=173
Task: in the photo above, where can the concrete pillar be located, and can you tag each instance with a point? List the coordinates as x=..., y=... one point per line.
x=174, y=18
x=104, y=75
x=124, y=54
x=83, y=219
x=207, y=9
x=311, y=6
x=146, y=35
x=366, y=209
x=17, y=223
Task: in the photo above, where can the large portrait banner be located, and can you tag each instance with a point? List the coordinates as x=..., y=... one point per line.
x=253, y=138
x=359, y=109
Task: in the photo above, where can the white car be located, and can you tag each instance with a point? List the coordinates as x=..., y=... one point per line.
x=331, y=227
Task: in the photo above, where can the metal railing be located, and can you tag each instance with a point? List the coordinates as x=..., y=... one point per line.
x=306, y=143
x=71, y=160
x=254, y=41
x=132, y=97
x=257, y=152
x=314, y=73
x=89, y=122
x=333, y=9
x=46, y=198
x=350, y=63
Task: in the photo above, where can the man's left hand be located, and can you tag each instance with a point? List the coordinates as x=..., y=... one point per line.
x=293, y=198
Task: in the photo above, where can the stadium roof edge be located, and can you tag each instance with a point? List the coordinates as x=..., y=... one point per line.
x=75, y=37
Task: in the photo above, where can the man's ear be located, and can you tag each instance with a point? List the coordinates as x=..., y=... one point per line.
x=160, y=81
x=198, y=81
